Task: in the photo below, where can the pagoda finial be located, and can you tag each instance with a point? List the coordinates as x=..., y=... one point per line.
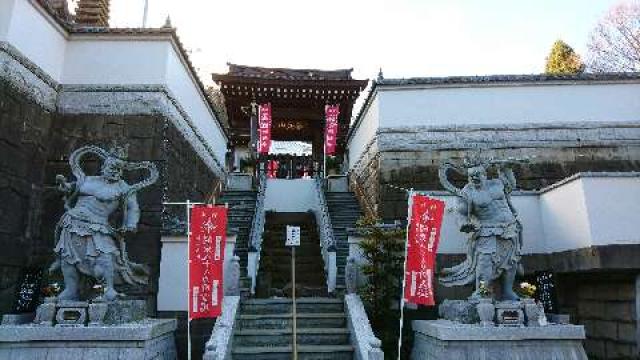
x=380, y=75
x=92, y=13
x=167, y=23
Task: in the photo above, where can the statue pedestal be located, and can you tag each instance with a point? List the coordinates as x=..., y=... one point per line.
x=445, y=339
x=141, y=340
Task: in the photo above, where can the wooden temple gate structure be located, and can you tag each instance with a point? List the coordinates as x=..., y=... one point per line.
x=298, y=98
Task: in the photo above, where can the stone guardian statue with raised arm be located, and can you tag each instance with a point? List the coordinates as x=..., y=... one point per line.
x=87, y=243
x=495, y=233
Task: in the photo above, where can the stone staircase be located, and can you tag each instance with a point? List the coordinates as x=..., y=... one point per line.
x=344, y=211
x=274, y=278
x=264, y=330
x=241, y=210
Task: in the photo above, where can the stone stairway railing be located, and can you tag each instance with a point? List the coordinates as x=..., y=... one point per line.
x=219, y=345
x=366, y=344
x=257, y=230
x=327, y=240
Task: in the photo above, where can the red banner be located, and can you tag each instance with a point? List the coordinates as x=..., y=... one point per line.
x=206, y=258
x=422, y=244
x=264, y=128
x=331, y=128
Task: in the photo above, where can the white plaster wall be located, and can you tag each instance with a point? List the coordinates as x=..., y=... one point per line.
x=613, y=206
x=115, y=62
x=187, y=92
x=173, y=281
x=6, y=13
x=34, y=34
x=452, y=241
x=298, y=195
x=172, y=285
x=365, y=132
x=565, y=217
x=517, y=104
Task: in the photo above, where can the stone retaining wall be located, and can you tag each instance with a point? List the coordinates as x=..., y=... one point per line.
x=606, y=305
x=24, y=142
x=183, y=175
x=410, y=157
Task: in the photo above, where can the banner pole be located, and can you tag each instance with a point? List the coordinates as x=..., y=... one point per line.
x=188, y=276
x=188, y=205
x=404, y=274
x=293, y=298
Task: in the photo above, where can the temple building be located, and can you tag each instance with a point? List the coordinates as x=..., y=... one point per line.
x=71, y=80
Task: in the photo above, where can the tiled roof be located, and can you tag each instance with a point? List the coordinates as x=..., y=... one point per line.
x=496, y=79
x=288, y=74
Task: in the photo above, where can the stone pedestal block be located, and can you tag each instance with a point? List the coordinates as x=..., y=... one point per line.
x=444, y=340
x=142, y=340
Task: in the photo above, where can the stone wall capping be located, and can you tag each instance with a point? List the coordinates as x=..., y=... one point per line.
x=450, y=330
x=580, y=175
x=27, y=77
x=137, y=100
x=135, y=331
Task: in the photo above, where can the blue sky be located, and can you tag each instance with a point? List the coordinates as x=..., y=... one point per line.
x=405, y=37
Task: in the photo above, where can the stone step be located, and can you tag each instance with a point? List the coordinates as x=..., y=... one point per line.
x=284, y=337
x=305, y=352
x=284, y=306
x=283, y=321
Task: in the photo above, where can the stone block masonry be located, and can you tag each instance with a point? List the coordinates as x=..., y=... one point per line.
x=606, y=305
x=183, y=175
x=24, y=143
x=410, y=157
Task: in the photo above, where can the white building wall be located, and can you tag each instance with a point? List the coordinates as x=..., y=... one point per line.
x=365, y=132
x=452, y=241
x=613, y=205
x=115, y=62
x=298, y=195
x=513, y=104
x=108, y=59
x=590, y=210
x=186, y=91
x=35, y=35
x=6, y=12
x=565, y=218
x=173, y=281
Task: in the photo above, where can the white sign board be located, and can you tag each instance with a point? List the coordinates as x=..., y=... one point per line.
x=293, y=236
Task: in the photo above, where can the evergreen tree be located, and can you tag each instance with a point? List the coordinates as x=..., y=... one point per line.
x=563, y=60
x=383, y=249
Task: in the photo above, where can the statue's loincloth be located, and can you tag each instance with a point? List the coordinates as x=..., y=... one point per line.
x=501, y=241
x=80, y=242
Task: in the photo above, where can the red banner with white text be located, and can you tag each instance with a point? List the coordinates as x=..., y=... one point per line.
x=422, y=244
x=208, y=228
x=331, y=128
x=264, y=128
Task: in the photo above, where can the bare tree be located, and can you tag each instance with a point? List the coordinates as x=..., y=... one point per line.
x=615, y=42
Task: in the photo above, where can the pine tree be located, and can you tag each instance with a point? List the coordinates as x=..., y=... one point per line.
x=563, y=60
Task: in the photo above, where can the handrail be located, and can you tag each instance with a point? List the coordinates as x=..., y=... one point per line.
x=218, y=347
x=365, y=343
x=257, y=230
x=358, y=189
x=327, y=240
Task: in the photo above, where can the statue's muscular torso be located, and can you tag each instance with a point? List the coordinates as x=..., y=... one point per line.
x=489, y=203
